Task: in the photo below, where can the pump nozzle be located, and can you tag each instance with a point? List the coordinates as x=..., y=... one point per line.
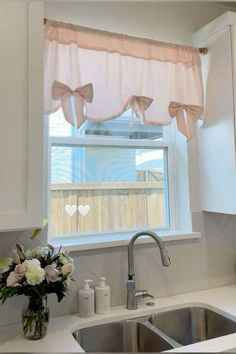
x=102, y=281
x=86, y=283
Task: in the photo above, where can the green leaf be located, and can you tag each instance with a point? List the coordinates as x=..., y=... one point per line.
x=37, y=231
x=20, y=252
x=35, y=234
x=51, y=248
x=7, y=292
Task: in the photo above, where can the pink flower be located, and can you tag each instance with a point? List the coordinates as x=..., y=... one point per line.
x=20, y=269
x=51, y=273
x=13, y=279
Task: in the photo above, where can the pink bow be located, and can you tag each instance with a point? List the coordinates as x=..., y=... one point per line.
x=139, y=104
x=185, y=116
x=81, y=94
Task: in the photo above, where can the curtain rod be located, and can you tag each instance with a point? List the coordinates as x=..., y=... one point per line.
x=200, y=50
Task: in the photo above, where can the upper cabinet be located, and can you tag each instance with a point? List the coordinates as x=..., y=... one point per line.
x=21, y=114
x=217, y=139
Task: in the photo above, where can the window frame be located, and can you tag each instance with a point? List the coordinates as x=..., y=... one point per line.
x=179, y=198
x=166, y=143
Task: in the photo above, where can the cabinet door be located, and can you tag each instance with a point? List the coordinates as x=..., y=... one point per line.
x=21, y=114
x=217, y=137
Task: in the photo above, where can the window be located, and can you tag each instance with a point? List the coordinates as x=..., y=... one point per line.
x=108, y=178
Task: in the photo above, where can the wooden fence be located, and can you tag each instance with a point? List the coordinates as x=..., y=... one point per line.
x=109, y=206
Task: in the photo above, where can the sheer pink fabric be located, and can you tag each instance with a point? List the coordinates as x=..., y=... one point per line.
x=122, y=80
x=89, y=38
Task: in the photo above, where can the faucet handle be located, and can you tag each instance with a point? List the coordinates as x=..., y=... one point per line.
x=139, y=294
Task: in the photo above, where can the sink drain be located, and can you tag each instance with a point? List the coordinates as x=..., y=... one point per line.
x=150, y=303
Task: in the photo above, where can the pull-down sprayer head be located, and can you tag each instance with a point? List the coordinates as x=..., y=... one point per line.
x=164, y=255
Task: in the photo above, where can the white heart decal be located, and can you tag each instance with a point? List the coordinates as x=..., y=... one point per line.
x=83, y=209
x=70, y=209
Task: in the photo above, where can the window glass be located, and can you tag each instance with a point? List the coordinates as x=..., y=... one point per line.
x=113, y=188
x=100, y=187
x=119, y=128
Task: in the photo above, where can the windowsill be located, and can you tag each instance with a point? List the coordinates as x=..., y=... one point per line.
x=74, y=244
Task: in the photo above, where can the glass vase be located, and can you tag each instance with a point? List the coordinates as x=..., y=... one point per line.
x=35, y=318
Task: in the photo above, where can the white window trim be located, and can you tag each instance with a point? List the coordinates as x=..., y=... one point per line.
x=117, y=240
x=179, y=201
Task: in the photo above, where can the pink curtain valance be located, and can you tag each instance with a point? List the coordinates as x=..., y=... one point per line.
x=148, y=49
x=155, y=90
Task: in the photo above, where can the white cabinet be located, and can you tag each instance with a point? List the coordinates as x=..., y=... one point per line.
x=217, y=139
x=21, y=114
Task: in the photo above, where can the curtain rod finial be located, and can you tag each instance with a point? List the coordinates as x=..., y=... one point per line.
x=203, y=50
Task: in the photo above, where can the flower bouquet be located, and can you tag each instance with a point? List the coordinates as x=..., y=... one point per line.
x=35, y=273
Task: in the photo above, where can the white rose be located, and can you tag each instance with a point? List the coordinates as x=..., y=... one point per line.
x=35, y=275
x=67, y=268
x=35, y=252
x=29, y=254
x=13, y=279
x=64, y=259
x=31, y=263
x=40, y=251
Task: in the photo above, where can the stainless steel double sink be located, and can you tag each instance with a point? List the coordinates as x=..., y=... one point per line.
x=156, y=333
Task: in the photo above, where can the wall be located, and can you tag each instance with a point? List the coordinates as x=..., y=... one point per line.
x=196, y=264
x=165, y=21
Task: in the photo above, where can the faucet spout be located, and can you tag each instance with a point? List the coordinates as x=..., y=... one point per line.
x=164, y=255
x=132, y=294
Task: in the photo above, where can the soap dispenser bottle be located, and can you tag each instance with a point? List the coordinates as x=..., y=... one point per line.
x=102, y=297
x=86, y=300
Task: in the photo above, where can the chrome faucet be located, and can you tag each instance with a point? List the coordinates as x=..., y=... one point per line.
x=132, y=294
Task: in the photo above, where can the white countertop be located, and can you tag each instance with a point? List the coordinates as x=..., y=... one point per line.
x=59, y=337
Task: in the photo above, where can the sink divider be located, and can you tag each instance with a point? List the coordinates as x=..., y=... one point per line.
x=146, y=323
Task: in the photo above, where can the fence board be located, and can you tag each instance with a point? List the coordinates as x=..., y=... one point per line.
x=116, y=207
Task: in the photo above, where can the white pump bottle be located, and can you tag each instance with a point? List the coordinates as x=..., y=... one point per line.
x=86, y=300
x=102, y=296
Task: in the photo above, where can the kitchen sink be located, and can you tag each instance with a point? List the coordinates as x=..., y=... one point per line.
x=159, y=332
x=123, y=336
x=193, y=324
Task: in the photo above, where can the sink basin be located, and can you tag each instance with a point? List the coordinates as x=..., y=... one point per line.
x=193, y=324
x=122, y=336
x=156, y=333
